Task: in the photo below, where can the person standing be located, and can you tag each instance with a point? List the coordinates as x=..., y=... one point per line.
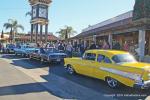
x=105, y=45
x=93, y=45
x=56, y=45
x=82, y=49
x=0, y=47
x=61, y=47
x=69, y=49
x=126, y=46
x=116, y=45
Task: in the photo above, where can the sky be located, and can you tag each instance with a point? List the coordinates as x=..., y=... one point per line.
x=76, y=13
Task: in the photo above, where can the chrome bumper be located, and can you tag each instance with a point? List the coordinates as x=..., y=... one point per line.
x=143, y=85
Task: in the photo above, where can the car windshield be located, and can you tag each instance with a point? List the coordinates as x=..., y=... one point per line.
x=11, y=46
x=52, y=50
x=123, y=58
x=28, y=47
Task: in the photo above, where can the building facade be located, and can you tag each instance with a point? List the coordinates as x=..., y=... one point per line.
x=132, y=27
x=27, y=37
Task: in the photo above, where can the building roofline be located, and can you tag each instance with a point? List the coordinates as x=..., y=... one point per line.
x=118, y=18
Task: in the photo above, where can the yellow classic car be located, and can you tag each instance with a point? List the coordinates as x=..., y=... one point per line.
x=112, y=66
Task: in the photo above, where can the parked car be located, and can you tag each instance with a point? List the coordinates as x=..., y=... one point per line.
x=52, y=55
x=24, y=50
x=36, y=54
x=9, y=48
x=112, y=66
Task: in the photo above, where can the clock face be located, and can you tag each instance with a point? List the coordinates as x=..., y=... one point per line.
x=43, y=12
x=34, y=12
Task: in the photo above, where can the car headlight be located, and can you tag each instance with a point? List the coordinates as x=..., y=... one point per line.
x=138, y=79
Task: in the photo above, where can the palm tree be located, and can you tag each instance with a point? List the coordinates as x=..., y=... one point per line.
x=66, y=32
x=29, y=13
x=2, y=34
x=13, y=26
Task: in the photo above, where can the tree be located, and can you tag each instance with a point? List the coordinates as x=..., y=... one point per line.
x=141, y=9
x=13, y=26
x=2, y=34
x=66, y=32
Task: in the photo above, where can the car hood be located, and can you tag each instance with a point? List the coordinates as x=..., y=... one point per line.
x=30, y=48
x=137, y=65
x=57, y=54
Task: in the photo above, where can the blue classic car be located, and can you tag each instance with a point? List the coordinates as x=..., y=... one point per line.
x=52, y=55
x=9, y=48
x=36, y=54
x=24, y=50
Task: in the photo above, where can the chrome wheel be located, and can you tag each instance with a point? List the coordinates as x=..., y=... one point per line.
x=70, y=70
x=42, y=60
x=22, y=55
x=112, y=82
x=30, y=57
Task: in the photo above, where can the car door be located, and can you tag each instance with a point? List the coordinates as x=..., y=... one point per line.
x=103, y=62
x=87, y=64
x=45, y=55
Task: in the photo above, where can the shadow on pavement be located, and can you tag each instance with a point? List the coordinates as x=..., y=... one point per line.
x=21, y=89
x=11, y=56
x=26, y=62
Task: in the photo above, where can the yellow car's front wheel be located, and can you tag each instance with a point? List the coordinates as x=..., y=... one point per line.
x=70, y=69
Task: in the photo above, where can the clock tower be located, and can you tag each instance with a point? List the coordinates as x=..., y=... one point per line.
x=39, y=19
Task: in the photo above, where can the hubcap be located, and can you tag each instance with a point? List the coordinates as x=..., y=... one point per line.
x=42, y=59
x=70, y=70
x=22, y=55
x=112, y=82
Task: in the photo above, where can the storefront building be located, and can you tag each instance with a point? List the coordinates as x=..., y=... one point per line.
x=132, y=27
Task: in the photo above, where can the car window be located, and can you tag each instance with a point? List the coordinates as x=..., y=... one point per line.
x=90, y=56
x=102, y=58
x=107, y=60
x=123, y=58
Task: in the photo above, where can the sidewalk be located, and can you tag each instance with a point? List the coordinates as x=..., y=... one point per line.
x=15, y=85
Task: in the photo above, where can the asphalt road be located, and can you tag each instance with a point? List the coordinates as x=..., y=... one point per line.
x=122, y=93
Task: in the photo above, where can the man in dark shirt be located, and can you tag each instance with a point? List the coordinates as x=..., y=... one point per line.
x=61, y=47
x=93, y=46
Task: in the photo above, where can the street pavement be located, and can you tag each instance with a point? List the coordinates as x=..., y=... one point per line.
x=54, y=81
x=15, y=85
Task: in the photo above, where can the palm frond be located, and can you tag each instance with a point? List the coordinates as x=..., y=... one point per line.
x=28, y=14
x=20, y=26
x=7, y=25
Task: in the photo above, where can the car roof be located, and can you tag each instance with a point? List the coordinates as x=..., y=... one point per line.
x=108, y=53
